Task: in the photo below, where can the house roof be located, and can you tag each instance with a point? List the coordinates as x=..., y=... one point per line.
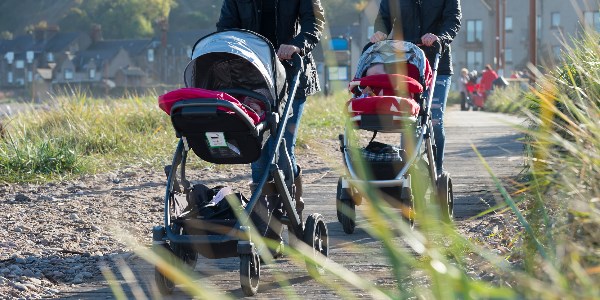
x=133, y=47
x=182, y=39
x=45, y=74
x=58, y=43
x=132, y=71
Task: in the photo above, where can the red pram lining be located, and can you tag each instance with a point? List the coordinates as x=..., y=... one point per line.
x=383, y=105
x=387, y=104
x=166, y=101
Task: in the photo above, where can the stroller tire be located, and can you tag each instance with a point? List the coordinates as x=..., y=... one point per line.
x=250, y=273
x=317, y=238
x=345, y=207
x=445, y=197
x=184, y=252
x=165, y=285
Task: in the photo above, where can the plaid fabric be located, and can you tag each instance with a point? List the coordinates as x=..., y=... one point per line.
x=380, y=152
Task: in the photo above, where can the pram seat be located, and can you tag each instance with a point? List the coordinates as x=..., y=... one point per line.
x=217, y=127
x=389, y=111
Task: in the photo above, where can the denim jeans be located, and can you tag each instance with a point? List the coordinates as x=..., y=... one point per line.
x=438, y=106
x=290, y=135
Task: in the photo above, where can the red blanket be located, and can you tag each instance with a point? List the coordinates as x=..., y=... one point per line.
x=383, y=105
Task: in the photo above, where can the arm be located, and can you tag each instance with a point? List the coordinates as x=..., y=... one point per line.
x=312, y=21
x=451, y=20
x=229, y=16
x=383, y=21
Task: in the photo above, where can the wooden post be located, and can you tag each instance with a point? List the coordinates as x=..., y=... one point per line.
x=532, y=33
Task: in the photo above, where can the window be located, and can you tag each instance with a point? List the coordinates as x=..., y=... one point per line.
x=20, y=64
x=592, y=19
x=508, y=24
x=555, y=19
x=150, y=55
x=50, y=57
x=29, y=76
x=508, y=56
x=538, y=25
x=92, y=73
x=474, y=31
x=9, y=77
x=557, y=51
x=338, y=73
x=474, y=60
x=68, y=74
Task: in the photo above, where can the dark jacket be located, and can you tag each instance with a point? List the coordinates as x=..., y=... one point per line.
x=299, y=23
x=414, y=18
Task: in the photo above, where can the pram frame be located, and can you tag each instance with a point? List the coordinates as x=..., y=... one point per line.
x=402, y=180
x=316, y=236
x=424, y=134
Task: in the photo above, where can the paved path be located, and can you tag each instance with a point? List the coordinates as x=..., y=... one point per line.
x=491, y=133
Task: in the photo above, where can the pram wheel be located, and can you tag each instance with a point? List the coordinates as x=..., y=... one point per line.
x=316, y=237
x=250, y=273
x=445, y=197
x=345, y=208
x=165, y=285
x=184, y=252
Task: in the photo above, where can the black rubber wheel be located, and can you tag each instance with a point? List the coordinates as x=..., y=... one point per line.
x=165, y=285
x=316, y=237
x=346, y=211
x=445, y=197
x=249, y=273
x=184, y=252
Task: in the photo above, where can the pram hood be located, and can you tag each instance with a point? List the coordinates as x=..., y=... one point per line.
x=394, y=51
x=235, y=59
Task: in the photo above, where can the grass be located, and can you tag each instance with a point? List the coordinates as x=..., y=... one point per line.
x=76, y=135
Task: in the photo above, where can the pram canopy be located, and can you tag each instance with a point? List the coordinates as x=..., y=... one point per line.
x=236, y=59
x=394, y=51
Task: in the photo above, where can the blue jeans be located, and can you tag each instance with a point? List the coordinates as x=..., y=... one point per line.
x=438, y=106
x=290, y=135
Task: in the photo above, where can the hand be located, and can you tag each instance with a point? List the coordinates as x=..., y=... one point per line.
x=378, y=37
x=286, y=51
x=428, y=39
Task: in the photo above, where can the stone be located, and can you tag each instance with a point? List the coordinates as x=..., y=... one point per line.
x=22, y=198
x=74, y=217
x=20, y=286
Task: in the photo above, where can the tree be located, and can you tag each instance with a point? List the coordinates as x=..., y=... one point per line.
x=119, y=18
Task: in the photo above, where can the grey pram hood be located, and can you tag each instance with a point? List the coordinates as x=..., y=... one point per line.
x=392, y=51
x=235, y=59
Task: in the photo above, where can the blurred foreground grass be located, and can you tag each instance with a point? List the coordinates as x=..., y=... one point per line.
x=559, y=206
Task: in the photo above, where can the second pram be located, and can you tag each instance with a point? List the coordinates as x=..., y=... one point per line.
x=392, y=93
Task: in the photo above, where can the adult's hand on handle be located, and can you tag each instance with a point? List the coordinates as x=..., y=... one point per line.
x=286, y=51
x=429, y=39
x=378, y=37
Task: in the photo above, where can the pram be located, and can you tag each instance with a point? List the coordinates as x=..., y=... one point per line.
x=209, y=119
x=397, y=104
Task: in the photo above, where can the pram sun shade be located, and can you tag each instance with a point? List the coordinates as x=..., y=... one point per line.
x=217, y=127
x=237, y=59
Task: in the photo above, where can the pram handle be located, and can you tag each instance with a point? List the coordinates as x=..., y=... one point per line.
x=295, y=62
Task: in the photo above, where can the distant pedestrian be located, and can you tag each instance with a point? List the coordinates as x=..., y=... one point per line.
x=487, y=78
